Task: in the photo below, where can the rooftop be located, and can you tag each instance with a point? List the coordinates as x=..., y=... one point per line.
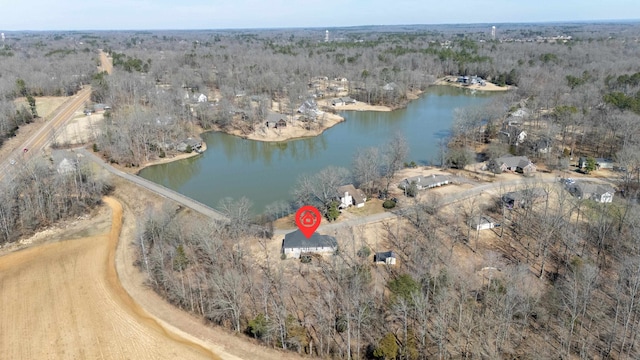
x=296, y=240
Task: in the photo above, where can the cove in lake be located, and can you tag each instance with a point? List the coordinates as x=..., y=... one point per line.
x=266, y=172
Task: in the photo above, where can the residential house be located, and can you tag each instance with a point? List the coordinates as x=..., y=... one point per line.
x=601, y=163
x=482, y=222
x=343, y=101
x=520, y=164
x=309, y=107
x=64, y=161
x=350, y=196
x=523, y=198
x=202, y=98
x=390, y=87
x=426, y=182
x=586, y=190
x=522, y=136
x=387, y=257
x=337, y=102
x=542, y=146
x=194, y=144
x=295, y=244
x=101, y=107
x=275, y=120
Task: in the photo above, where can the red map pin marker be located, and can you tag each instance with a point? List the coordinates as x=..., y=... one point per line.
x=308, y=219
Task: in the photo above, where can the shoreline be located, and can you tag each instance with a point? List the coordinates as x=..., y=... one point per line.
x=295, y=130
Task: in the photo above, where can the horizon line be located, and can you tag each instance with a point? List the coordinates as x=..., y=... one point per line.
x=594, y=21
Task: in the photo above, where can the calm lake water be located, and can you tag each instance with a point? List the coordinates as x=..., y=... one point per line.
x=266, y=172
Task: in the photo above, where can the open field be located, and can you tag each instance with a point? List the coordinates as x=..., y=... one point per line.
x=63, y=300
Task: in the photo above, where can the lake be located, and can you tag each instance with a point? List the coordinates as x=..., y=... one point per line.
x=266, y=172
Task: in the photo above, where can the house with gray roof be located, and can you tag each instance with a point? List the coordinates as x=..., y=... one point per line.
x=601, y=163
x=523, y=198
x=426, y=182
x=520, y=164
x=587, y=190
x=295, y=244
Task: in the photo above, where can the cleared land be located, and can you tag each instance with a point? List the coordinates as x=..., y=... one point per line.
x=63, y=300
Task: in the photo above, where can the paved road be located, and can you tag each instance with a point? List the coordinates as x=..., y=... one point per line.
x=158, y=189
x=39, y=140
x=327, y=228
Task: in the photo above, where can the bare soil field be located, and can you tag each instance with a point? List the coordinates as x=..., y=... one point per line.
x=63, y=300
x=79, y=130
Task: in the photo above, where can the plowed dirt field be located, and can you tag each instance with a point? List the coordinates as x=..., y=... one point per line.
x=63, y=300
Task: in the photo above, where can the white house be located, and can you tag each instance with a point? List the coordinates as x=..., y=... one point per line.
x=202, y=98
x=350, y=196
x=295, y=244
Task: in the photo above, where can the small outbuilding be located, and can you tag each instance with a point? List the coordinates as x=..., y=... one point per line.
x=482, y=222
x=387, y=257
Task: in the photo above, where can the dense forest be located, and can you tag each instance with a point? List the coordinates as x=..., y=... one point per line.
x=562, y=279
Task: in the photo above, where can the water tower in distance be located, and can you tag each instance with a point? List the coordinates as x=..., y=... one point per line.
x=493, y=33
x=326, y=36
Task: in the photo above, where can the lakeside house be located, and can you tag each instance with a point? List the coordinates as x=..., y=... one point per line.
x=471, y=80
x=196, y=145
x=341, y=101
x=295, y=244
x=275, y=121
x=350, y=196
x=596, y=192
x=425, y=182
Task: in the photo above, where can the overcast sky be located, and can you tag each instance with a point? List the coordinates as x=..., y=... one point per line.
x=219, y=14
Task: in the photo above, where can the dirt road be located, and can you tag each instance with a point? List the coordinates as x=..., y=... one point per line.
x=63, y=300
x=105, y=62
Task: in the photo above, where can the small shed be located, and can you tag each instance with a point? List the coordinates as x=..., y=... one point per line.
x=482, y=222
x=387, y=257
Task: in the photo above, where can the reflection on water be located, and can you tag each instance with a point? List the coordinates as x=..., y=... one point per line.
x=266, y=172
x=178, y=173
x=251, y=151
